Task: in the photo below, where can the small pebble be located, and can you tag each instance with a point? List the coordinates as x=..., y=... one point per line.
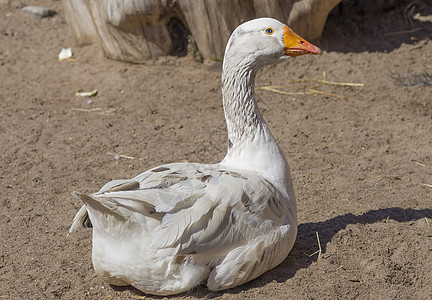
x=116, y=157
x=39, y=11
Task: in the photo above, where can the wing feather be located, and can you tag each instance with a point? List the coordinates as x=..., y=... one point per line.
x=177, y=223
x=202, y=209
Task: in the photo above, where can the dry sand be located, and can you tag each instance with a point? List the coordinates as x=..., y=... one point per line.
x=361, y=157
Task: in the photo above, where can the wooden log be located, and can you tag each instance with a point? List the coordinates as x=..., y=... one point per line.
x=138, y=30
x=308, y=17
x=80, y=21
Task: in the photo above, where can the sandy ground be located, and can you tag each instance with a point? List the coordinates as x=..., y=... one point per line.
x=361, y=157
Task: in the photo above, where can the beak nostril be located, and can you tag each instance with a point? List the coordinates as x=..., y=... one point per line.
x=295, y=45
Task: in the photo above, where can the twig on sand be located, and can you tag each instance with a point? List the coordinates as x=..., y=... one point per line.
x=337, y=83
x=138, y=297
x=97, y=110
x=319, y=251
x=276, y=88
x=313, y=91
x=428, y=225
x=117, y=156
x=421, y=18
x=383, y=177
x=403, y=32
x=414, y=150
x=398, y=178
x=321, y=81
x=307, y=92
x=421, y=165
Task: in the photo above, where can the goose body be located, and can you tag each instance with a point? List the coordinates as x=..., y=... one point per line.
x=178, y=225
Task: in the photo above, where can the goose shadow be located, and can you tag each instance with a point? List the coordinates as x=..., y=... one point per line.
x=306, y=244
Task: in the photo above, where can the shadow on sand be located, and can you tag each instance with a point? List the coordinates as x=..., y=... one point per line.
x=348, y=30
x=306, y=243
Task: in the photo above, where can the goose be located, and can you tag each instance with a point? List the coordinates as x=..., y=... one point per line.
x=180, y=225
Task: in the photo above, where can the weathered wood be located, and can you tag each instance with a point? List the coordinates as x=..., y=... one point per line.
x=80, y=21
x=308, y=17
x=138, y=30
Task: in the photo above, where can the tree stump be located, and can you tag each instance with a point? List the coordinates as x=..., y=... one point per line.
x=138, y=30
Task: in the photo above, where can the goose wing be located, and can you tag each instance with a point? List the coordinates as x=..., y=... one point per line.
x=199, y=209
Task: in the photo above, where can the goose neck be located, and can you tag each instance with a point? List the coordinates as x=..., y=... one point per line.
x=241, y=111
x=252, y=146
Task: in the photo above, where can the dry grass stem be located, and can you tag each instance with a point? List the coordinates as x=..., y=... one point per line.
x=338, y=83
x=276, y=88
x=138, y=297
x=428, y=225
x=403, y=32
x=421, y=18
x=97, y=110
x=319, y=251
x=321, y=81
x=414, y=150
x=122, y=156
x=398, y=178
x=383, y=177
x=420, y=164
x=326, y=93
x=307, y=92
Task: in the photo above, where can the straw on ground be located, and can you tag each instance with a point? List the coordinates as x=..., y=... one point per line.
x=313, y=91
x=319, y=251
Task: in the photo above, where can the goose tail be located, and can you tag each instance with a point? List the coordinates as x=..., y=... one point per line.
x=81, y=219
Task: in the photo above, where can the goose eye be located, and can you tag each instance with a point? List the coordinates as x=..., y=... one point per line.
x=269, y=30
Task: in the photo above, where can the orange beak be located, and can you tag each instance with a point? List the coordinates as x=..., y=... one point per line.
x=294, y=45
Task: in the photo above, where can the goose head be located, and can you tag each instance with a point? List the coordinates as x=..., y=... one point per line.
x=265, y=41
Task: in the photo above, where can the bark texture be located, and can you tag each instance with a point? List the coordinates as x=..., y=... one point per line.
x=138, y=30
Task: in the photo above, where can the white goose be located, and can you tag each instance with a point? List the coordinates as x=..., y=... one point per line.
x=178, y=225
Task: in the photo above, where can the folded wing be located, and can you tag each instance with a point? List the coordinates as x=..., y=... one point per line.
x=199, y=209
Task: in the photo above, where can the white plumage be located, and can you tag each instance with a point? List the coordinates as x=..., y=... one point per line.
x=182, y=224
